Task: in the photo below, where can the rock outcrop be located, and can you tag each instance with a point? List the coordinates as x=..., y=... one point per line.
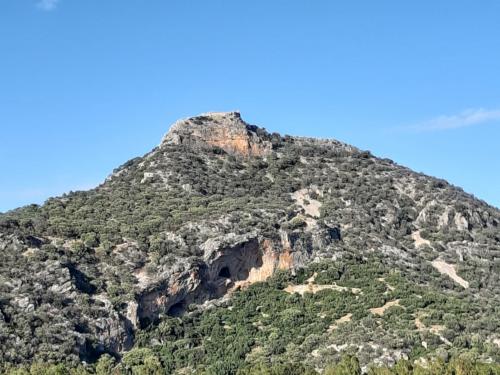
x=225, y=130
x=230, y=262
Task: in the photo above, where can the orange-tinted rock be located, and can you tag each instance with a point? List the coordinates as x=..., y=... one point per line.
x=225, y=130
x=285, y=260
x=271, y=261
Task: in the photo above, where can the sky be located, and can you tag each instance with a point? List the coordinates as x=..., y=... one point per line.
x=87, y=85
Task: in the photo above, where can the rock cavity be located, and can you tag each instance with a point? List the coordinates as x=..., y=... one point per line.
x=224, y=268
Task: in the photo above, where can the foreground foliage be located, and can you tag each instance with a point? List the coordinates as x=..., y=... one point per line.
x=266, y=330
x=347, y=366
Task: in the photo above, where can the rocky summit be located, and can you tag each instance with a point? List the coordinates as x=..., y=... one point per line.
x=227, y=247
x=226, y=131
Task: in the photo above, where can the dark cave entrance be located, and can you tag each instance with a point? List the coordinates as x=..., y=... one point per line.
x=144, y=322
x=177, y=309
x=225, y=273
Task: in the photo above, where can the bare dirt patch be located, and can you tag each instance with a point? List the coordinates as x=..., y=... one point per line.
x=418, y=323
x=29, y=252
x=389, y=286
x=449, y=270
x=435, y=329
x=345, y=319
x=381, y=310
x=313, y=288
x=419, y=241
x=311, y=206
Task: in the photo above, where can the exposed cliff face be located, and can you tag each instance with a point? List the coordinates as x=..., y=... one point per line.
x=229, y=263
x=225, y=130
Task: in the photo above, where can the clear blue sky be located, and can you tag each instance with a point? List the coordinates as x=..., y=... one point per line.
x=87, y=84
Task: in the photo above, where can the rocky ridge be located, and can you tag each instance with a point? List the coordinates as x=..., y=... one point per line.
x=225, y=130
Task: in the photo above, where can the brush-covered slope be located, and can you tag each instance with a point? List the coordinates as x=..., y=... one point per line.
x=223, y=214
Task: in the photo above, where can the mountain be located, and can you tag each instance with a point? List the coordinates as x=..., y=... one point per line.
x=228, y=246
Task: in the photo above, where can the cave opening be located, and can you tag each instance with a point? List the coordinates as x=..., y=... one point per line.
x=213, y=280
x=144, y=322
x=225, y=273
x=177, y=309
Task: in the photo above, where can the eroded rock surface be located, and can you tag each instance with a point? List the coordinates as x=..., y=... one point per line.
x=229, y=262
x=225, y=130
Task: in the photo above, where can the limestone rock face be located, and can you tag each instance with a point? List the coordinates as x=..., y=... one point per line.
x=225, y=130
x=229, y=262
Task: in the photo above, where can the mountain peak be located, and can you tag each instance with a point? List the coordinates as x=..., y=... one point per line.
x=185, y=230
x=226, y=130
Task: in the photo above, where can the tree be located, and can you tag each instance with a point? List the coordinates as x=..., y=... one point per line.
x=105, y=365
x=348, y=365
x=90, y=239
x=142, y=361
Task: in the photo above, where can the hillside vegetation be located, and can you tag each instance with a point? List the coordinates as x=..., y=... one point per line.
x=228, y=250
